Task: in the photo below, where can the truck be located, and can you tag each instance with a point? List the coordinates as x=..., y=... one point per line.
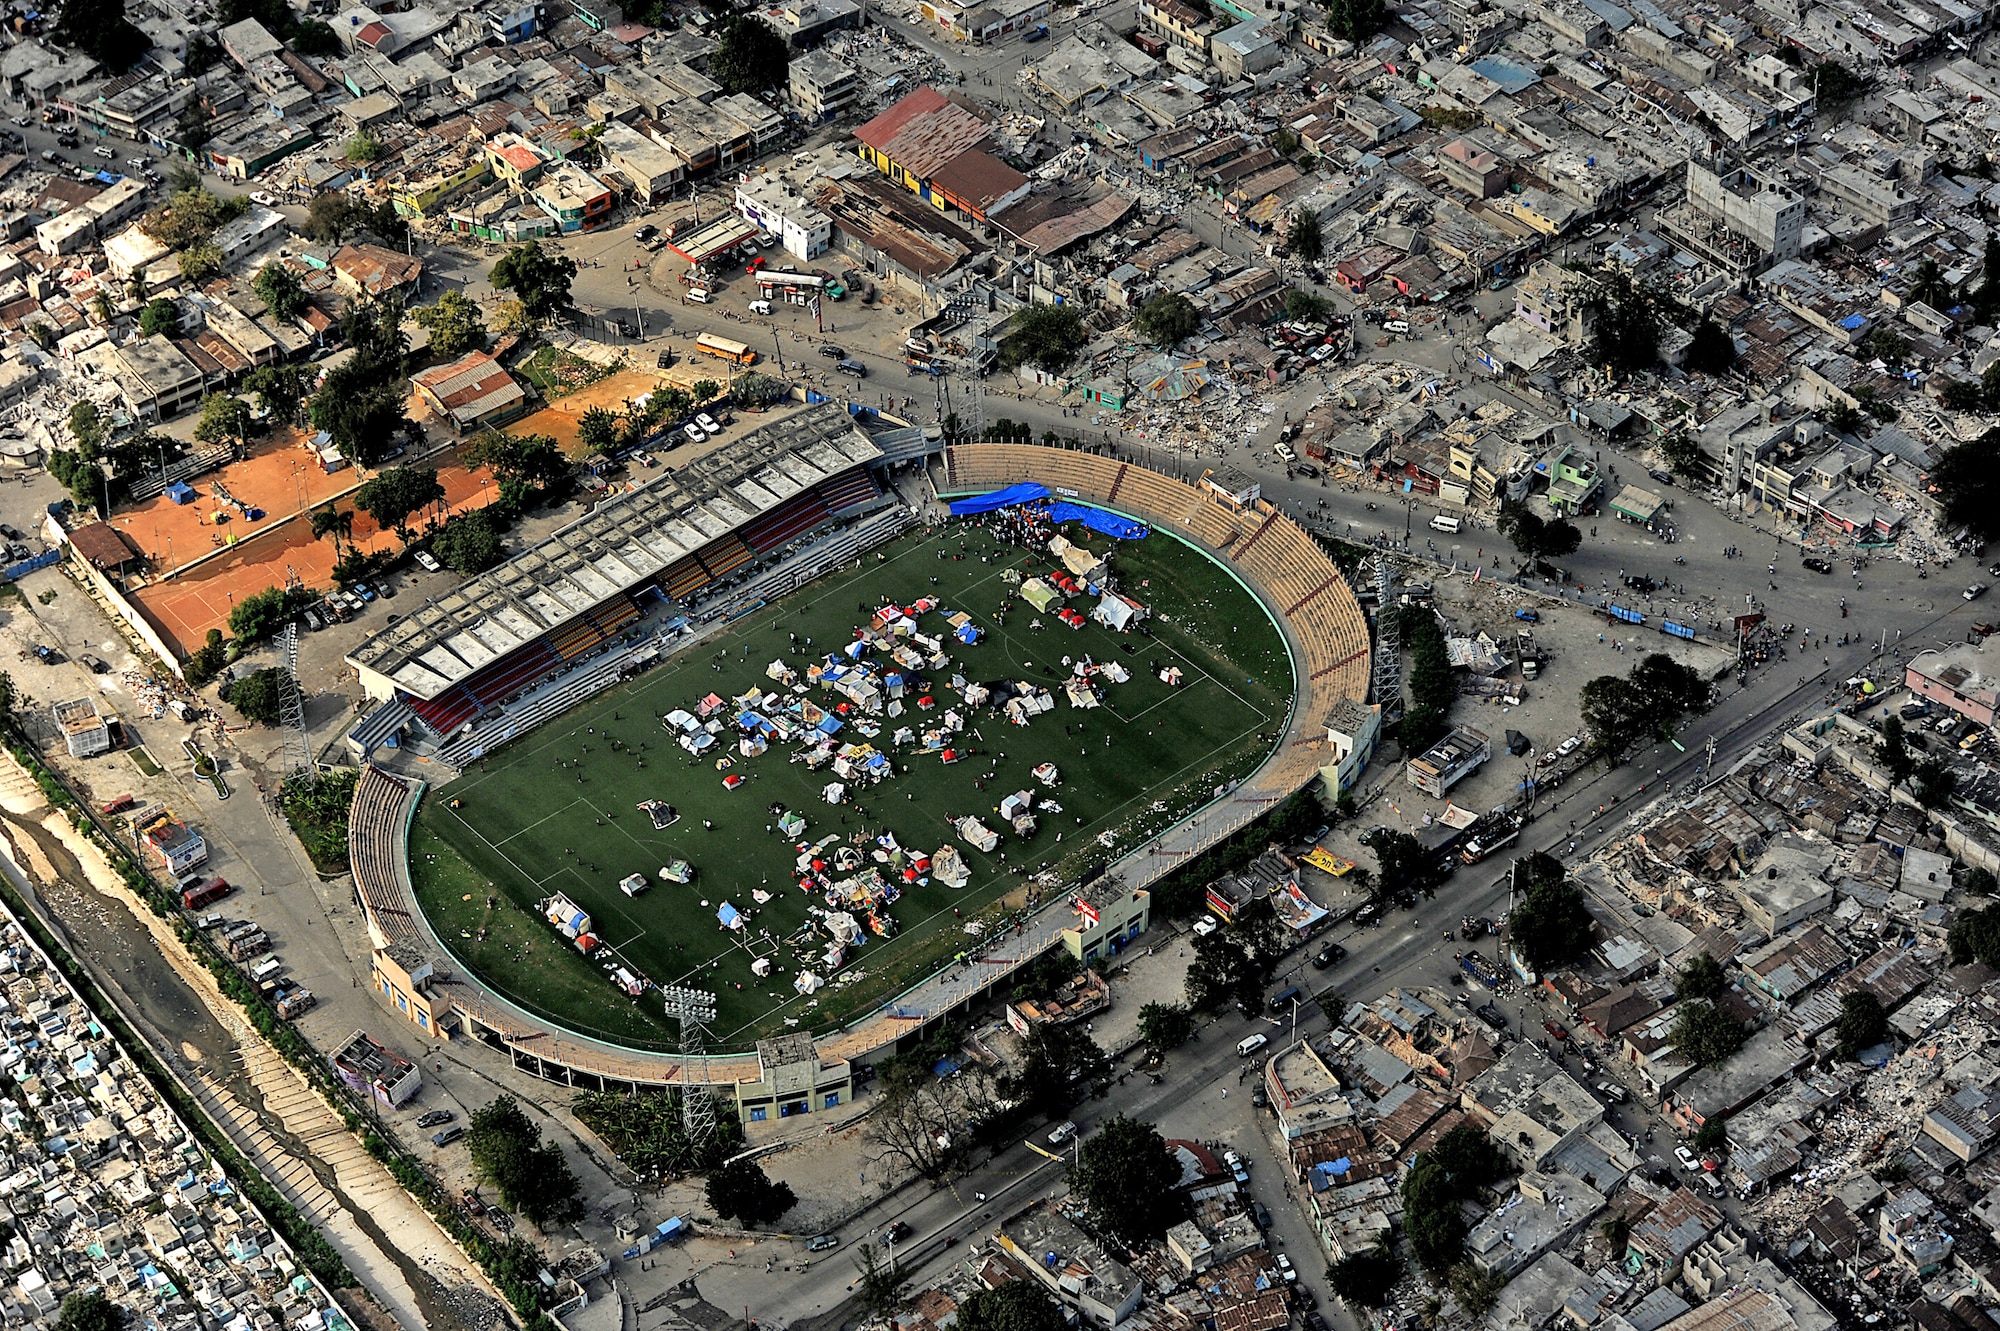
x=202, y=893
x=292, y=1002
x=247, y=946
x=1491, y=832
x=1480, y=969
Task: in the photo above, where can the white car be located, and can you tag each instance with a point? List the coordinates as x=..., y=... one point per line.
x=1061, y=1133
x=694, y=434
x=760, y=307
x=1570, y=745
x=707, y=423
x=1205, y=925
x=426, y=562
x=1688, y=1159
x=264, y=198
x=1285, y=1269
x=104, y=153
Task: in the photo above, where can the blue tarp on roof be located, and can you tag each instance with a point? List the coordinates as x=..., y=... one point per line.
x=1007, y=498
x=1098, y=519
x=1853, y=321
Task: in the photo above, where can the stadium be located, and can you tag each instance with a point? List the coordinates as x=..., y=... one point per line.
x=865, y=789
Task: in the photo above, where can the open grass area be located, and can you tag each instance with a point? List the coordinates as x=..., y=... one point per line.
x=556, y=810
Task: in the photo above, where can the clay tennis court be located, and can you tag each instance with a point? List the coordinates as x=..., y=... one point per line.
x=281, y=476
x=185, y=607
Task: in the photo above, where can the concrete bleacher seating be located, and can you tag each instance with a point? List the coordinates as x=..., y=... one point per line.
x=723, y=557
x=684, y=577
x=448, y=711
x=797, y=515
x=850, y=489
x=376, y=823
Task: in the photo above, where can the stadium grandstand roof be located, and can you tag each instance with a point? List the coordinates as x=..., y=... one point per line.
x=627, y=540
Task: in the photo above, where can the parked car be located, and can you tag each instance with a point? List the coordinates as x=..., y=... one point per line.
x=831, y=352
x=1205, y=925
x=436, y=1118
x=707, y=423
x=448, y=1136
x=1062, y=1132
x=1613, y=1092
x=1975, y=591
x=97, y=664
x=10, y=531
x=645, y=233
x=1569, y=745
x=364, y=591
x=104, y=154
x=821, y=1242
x=1663, y=477
x=1687, y=1159
x=428, y=562
x=852, y=368
x=261, y=197
x=1260, y=1215
x=895, y=1233
x=1555, y=1030
x=1491, y=1015
x=693, y=433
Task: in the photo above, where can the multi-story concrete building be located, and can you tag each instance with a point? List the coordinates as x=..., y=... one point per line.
x=823, y=86
x=1742, y=221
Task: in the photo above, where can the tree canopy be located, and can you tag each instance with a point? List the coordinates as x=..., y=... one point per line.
x=1129, y=1180
x=1365, y=1279
x=531, y=1176
x=1710, y=350
x=740, y=1190
x=1550, y=924
x=223, y=417
x=1966, y=481
x=1975, y=936
x=1059, y=1063
x=1624, y=712
x=1017, y=1305
x=100, y=29
x=261, y=614
x=1704, y=1033
x=1536, y=537
x=1233, y=964
x=468, y=544
x=1354, y=20
x=1168, y=319
x=1701, y=978
x=260, y=695
x=281, y=290
x=1165, y=1026
x=393, y=495
x=750, y=56
x=538, y=278
x=455, y=324
x=1304, y=238
x=1404, y=865
x=1046, y=336
x=90, y=1311
x=1624, y=322
x=1863, y=1023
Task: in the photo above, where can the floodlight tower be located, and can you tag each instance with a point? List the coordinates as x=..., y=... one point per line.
x=693, y=1009
x=292, y=704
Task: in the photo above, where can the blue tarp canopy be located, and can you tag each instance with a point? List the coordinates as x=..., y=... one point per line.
x=968, y=634
x=1007, y=498
x=1098, y=519
x=731, y=917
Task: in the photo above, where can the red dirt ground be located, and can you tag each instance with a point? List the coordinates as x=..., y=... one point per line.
x=281, y=476
x=186, y=607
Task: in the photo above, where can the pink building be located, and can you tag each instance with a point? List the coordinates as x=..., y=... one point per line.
x=1960, y=677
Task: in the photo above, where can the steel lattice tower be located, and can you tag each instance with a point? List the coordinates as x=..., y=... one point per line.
x=693, y=1009
x=292, y=710
x=1388, y=647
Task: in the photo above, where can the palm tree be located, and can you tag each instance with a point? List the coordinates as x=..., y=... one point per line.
x=339, y=524
x=1930, y=287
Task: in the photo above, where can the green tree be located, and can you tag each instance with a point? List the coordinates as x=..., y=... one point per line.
x=1551, y=925
x=455, y=324
x=704, y=391
x=90, y=1311
x=1704, y=1034
x=199, y=262
x=1936, y=782
x=1617, y=1232
x=1986, y=298
x=1058, y=1064
x=1403, y=865
x=261, y=614
x=1701, y=978
x=884, y=1286
x=100, y=29
x=283, y=294
x=1304, y=238
x=1963, y=395
x=1624, y=324
x=315, y=37
x=1463, y=1163
x=207, y=661
x=1233, y=965
x=332, y=215
x=469, y=544
x=44, y=334
x=161, y=315
x=360, y=410
x=1893, y=751
x=1129, y=1180
x=259, y=696
x=531, y=1176
x=1711, y=1136
x=280, y=389
x=757, y=390
x=740, y=1190
x=597, y=429
x=1306, y=307
x=1536, y=537
x=1681, y=453
x=1863, y=1023
x=88, y=428
x=750, y=56
x=223, y=418
x=1711, y=350
x=1046, y=336
x=1975, y=936
x=1475, y=1291
x=392, y=496
x=1928, y=285
x=1017, y=1305
x=1354, y=20
x=338, y=523
x=1966, y=481
x=362, y=148
x=1978, y=882
x=520, y=462
x=1165, y=1026
x=373, y=327
x=8, y=695
x=1168, y=319
x=1365, y=1280
x=1433, y=684
x=539, y=278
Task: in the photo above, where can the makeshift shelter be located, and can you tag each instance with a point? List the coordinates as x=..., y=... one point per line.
x=678, y=871
x=998, y=499
x=1118, y=613
x=807, y=983
x=977, y=833
x=948, y=867
x=632, y=884
x=730, y=917
x=1040, y=594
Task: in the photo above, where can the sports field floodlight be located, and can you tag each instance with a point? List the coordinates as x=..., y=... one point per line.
x=693, y=1009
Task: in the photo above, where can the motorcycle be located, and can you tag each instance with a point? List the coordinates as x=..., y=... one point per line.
x=1369, y=506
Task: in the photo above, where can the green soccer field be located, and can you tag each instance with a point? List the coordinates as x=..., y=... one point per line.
x=557, y=810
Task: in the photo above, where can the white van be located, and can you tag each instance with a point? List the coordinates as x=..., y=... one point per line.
x=1445, y=522
x=1250, y=1044
x=264, y=970
x=698, y=296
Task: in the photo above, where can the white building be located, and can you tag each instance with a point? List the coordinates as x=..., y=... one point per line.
x=801, y=228
x=83, y=729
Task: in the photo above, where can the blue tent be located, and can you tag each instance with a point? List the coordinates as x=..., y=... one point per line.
x=967, y=634
x=731, y=917
x=1007, y=498
x=1097, y=519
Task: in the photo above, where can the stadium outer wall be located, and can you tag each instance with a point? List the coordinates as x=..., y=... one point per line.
x=1324, y=631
